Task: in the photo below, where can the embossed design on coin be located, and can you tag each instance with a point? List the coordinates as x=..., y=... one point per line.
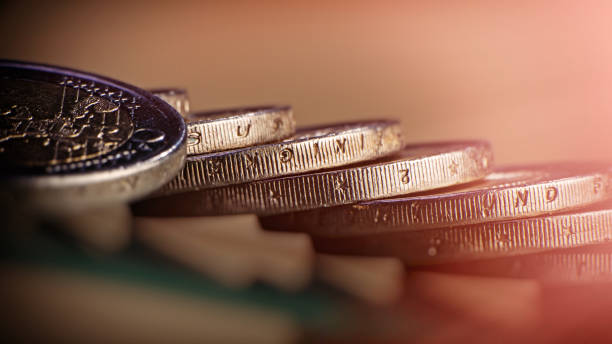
x=508, y=193
x=69, y=138
x=84, y=126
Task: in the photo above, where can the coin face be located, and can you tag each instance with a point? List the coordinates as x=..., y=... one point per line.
x=226, y=129
x=177, y=98
x=483, y=240
x=310, y=149
x=69, y=138
x=507, y=193
x=416, y=168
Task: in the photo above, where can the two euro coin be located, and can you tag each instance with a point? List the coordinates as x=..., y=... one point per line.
x=507, y=193
x=416, y=168
x=311, y=149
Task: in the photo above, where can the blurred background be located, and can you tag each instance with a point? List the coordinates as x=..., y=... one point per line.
x=532, y=77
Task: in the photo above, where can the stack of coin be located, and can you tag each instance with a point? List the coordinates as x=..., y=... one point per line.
x=509, y=211
x=453, y=206
x=77, y=148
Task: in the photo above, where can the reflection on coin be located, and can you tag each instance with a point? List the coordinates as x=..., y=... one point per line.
x=508, y=193
x=592, y=263
x=226, y=129
x=311, y=149
x=72, y=139
x=416, y=168
x=485, y=240
x=176, y=97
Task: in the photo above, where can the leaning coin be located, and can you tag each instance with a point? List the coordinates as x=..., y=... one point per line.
x=416, y=168
x=311, y=149
x=591, y=263
x=484, y=240
x=71, y=139
x=176, y=97
x=508, y=193
x=226, y=129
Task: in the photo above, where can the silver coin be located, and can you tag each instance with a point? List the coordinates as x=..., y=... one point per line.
x=73, y=139
x=178, y=98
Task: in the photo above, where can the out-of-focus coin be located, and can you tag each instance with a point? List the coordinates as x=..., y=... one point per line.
x=508, y=193
x=177, y=98
x=417, y=168
x=592, y=263
x=311, y=149
x=480, y=241
x=226, y=129
x=70, y=139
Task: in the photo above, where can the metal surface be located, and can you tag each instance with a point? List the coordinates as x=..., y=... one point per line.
x=72, y=139
x=416, y=168
x=480, y=241
x=311, y=149
x=177, y=98
x=226, y=129
x=586, y=264
x=508, y=193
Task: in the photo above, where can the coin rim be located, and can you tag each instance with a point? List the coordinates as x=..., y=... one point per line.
x=373, y=127
x=168, y=161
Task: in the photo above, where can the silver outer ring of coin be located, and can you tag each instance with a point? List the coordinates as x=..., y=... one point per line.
x=507, y=193
x=311, y=149
x=416, y=168
x=482, y=241
x=226, y=129
x=178, y=98
x=128, y=172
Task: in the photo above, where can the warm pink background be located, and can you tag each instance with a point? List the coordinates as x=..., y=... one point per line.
x=532, y=77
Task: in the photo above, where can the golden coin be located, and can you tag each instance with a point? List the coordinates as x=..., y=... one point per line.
x=508, y=193
x=311, y=149
x=484, y=240
x=592, y=263
x=175, y=97
x=416, y=168
x=226, y=129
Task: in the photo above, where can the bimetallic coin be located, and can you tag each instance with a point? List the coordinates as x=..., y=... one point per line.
x=226, y=129
x=592, y=263
x=508, y=193
x=416, y=168
x=311, y=149
x=481, y=241
x=176, y=97
x=72, y=139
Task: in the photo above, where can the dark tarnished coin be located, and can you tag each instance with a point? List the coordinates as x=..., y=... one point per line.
x=70, y=139
x=226, y=129
x=508, y=193
x=483, y=240
x=591, y=263
x=311, y=149
x=416, y=168
x=176, y=97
